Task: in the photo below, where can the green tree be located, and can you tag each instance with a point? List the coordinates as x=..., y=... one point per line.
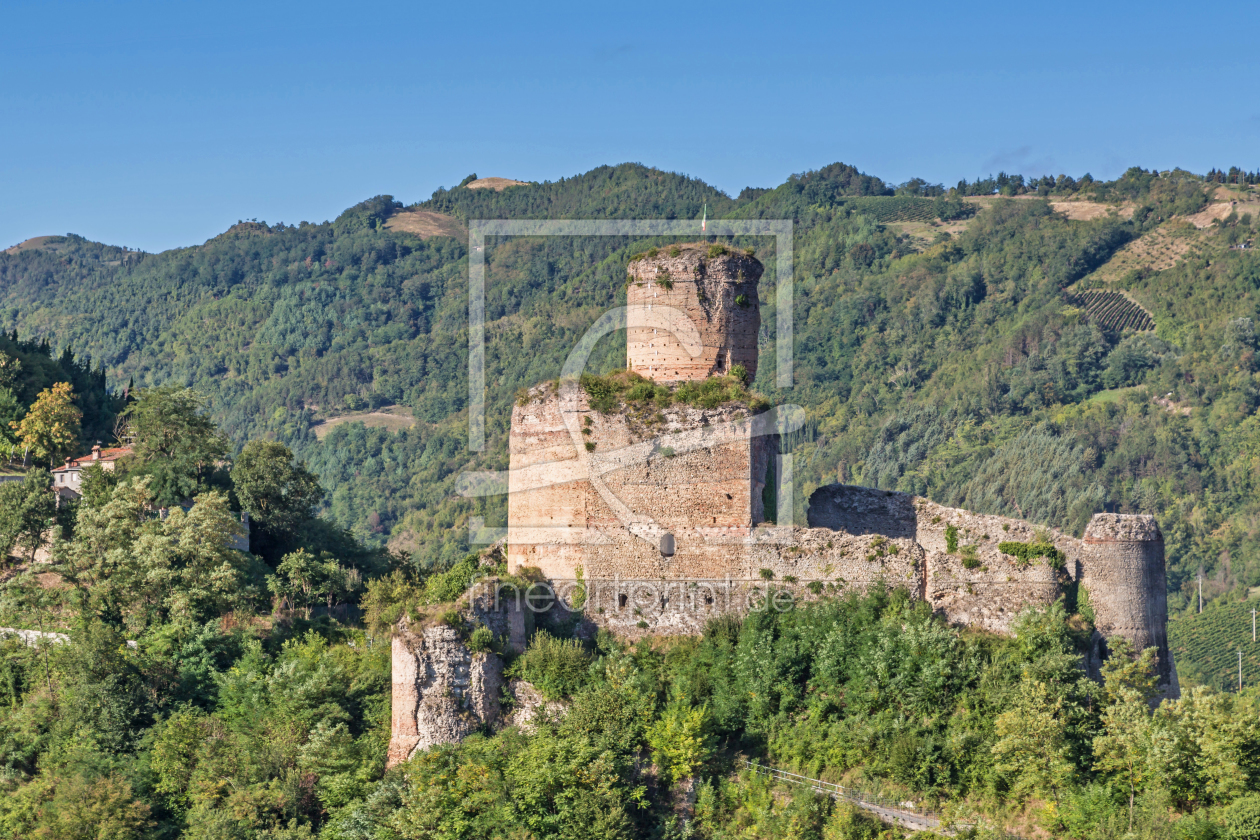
x=27, y=511
x=1126, y=746
x=50, y=428
x=174, y=441
x=1033, y=744
x=80, y=809
x=277, y=492
x=681, y=742
x=129, y=565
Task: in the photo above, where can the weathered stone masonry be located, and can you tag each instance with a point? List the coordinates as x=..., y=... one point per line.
x=660, y=522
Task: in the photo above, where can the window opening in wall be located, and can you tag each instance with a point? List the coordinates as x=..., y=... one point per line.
x=621, y=602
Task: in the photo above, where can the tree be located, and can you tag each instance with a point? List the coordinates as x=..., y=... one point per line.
x=131, y=566
x=50, y=428
x=83, y=810
x=27, y=511
x=277, y=492
x=173, y=441
x=1126, y=746
x=680, y=740
x=1033, y=744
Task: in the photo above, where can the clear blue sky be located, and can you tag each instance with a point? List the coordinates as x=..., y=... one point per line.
x=157, y=125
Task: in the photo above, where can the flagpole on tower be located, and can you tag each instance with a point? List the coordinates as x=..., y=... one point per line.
x=704, y=220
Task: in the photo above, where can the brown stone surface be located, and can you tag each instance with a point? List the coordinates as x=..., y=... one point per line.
x=697, y=474
x=1124, y=576
x=441, y=690
x=683, y=322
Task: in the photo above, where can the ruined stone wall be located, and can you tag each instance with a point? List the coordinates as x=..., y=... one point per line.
x=441, y=691
x=988, y=595
x=694, y=474
x=1124, y=576
x=683, y=282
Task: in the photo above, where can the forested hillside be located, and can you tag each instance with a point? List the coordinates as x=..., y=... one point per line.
x=937, y=346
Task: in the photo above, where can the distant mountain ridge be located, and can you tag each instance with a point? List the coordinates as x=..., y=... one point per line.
x=935, y=349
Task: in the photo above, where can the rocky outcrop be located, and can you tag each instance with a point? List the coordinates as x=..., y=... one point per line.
x=527, y=703
x=441, y=690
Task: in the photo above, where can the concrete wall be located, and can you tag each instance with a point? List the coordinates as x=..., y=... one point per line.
x=703, y=290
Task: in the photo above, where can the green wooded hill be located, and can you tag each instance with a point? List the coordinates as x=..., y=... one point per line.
x=936, y=351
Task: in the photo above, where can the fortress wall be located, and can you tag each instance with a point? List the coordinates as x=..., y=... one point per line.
x=546, y=487
x=794, y=556
x=697, y=474
x=988, y=596
x=850, y=562
x=704, y=289
x=441, y=692
x=992, y=595
x=1124, y=576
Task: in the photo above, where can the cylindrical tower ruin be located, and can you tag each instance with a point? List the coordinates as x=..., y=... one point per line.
x=693, y=312
x=1123, y=572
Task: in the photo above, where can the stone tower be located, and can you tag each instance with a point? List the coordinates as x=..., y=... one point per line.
x=1122, y=561
x=693, y=313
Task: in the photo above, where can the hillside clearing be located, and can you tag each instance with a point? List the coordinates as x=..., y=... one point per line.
x=1157, y=250
x=35, y=243
x=496, y=184
x=1087, y=211
x=395, y=418
x=426, y=223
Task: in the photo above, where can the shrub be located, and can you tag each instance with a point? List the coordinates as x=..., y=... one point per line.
x=674, y=251
x=717, y=250
x=1025, y=553
x=741, y=301
x=951, y=539
x=969, y=559
x=556, y=667
x=681, y=741
x=481, y=640
x=766, y=574
x=590, y=446
x=664, y=282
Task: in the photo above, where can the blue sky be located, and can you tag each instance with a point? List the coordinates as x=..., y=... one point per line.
x=158, y=125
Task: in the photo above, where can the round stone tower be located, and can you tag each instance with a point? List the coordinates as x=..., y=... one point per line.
x=1122, y=564
x=693, y=312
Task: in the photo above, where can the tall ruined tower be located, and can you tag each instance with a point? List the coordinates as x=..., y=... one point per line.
x=1122, y=560
x=671, y=497
x=693, y=312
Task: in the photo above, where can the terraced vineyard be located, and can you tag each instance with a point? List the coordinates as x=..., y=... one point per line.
x=1205, y=646
x=894, y=208
x=1113, y=310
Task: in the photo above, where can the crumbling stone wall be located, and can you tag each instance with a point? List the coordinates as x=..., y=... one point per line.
x=441, y=691
x=695, y=474
x=990, y=593
x=685, y=282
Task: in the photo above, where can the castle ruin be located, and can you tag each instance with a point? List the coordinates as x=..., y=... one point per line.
x=661, y=521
